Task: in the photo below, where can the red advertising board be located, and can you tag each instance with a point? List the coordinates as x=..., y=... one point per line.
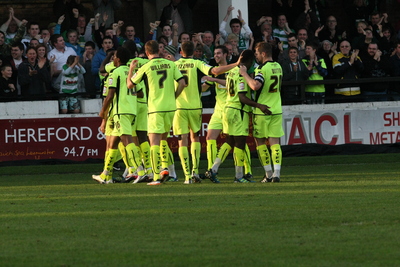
x=75, y=139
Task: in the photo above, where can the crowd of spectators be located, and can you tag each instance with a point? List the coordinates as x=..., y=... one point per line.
x=307, y=41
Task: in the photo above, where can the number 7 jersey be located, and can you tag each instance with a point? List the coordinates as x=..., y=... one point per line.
x=269, y=75
x=159, y=75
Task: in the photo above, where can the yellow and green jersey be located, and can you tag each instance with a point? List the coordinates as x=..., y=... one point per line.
x=109, y=68
x=220, y=93
x=269, y=75
x=192, y=70
x=140, y=86
x=124, y=101
x=236, y=85
x=159, y=76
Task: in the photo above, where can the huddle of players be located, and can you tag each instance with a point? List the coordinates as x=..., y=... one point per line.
x=172, y=90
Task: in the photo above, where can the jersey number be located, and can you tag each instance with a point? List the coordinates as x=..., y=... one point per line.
x=185, y=77
x=274, y=87
x=231, y=87
x=163, y=77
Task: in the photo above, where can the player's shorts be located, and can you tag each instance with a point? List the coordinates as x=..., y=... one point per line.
x=69, y=102
x=236, y=122
x=184, y=120
x=216, y=121
x=109, y=126
x=123, y=125
x=160, y=122
x=265, y=126
x=141, y=118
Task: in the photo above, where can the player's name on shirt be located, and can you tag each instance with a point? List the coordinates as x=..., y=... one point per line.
x=160, y=67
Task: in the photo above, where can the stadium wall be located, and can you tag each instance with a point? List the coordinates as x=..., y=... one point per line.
x=34, y=132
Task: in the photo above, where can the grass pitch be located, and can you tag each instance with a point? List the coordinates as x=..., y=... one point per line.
x=327, y=211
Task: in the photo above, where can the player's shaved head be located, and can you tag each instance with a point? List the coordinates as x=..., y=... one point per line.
x=151, y=47
x=247, y=58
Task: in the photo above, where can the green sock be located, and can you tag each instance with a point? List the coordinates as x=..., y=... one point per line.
x=224, y=151
x=164, y=154
x=145, y=151
x=238, y=156
x=211, y=152
x=195, y=149
x=155, y=161
x=247, y=160
x=109, y=164
x=184, y=156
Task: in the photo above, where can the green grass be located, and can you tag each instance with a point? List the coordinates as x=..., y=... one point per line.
x=327, y=211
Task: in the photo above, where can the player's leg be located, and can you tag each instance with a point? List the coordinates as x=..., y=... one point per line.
x=247, y=164
x=106, y=175
x=275, y=132
x=181, y=129
x=238, y=156
x=214, y=128
x=194, y=118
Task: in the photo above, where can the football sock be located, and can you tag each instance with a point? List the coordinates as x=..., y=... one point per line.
x=155, y=161
x=276, y=155
x=221, y=156
x=195, y=148
x=121, y=151
x=133, y=156
x=247, y=160
x=184, y=156
x=145, y=152
x=238, y=156
x=211, y=152
x=171, y=164
x=108, y=164
x=164, y=153
x=265, y=159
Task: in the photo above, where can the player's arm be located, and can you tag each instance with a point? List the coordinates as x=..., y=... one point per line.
x=254, y=84
x=132, y=67
x=140, y=94
x=181, y=86
x=247, y=101
x=222, y=69
x=106, y=103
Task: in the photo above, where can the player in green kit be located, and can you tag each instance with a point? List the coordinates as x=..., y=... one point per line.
x=267, y=124
x=236, y=115
x=124, y=110
x=159, y=75
x=189, y=108
x=215, y=125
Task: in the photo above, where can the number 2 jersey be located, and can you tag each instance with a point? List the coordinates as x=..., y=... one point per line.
x=269, y=75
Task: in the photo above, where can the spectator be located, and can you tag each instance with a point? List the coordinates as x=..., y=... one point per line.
x=5, y=48
x=178, y=11
x=315, y=93
x=375, y=66
x=17, y=51
x=11, y=26
x=42, y=51
x=302, y=36
x=307, y=20
x=8, y=89
x=359, y=10
x=71, y=83
x=282, y=30
x=379, y=22
x=58, y=56
x=98, y=59
x=387, y=42
x=207, y=39
x=233, y=40
x=364, y=41
x=330, y=31
x=347, y=65
x=293, y=70
x=395, y=64
x=327, y=51
x=183, y=37
x=33, y=75
x=107, y=7
x=72, y=42
x=292, y=42
x=33, y=33
x=267, y=36
x=130, y=35
x=360, y=35
x=86, y=62
x=231, y=57
x=236, y=25
x=71, y=10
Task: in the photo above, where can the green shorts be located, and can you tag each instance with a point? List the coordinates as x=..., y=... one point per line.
x=141, y=118
x=236, y=122
x=265, y=126
x=123, y=125
x=216, y=121
x=109, y=126
x=185, y=120
x=159, y=123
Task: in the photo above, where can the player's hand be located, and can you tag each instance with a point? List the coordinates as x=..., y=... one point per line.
x=242, y=69
x=133, y=64
x=264, y=109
